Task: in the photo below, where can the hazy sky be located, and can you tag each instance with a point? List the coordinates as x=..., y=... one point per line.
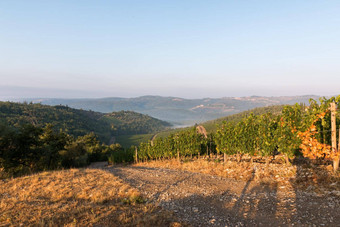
x=172, y=48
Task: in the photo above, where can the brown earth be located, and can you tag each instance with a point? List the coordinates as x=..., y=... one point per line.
x=206, y=200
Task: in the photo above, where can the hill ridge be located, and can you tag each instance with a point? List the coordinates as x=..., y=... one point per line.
x=79, y=122
x=177, y=110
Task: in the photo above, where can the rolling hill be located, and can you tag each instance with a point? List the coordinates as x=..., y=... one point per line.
x=79, y=122
x=178, y=111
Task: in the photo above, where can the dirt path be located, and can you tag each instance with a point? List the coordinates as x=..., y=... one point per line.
x=204, y=200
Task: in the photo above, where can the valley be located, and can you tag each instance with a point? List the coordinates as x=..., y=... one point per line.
x=177, y=111
x=169, y=113
x=247, y=169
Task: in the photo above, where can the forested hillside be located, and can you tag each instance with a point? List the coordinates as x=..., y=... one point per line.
x=80, y=122
x=129, y=122
x=35, y=137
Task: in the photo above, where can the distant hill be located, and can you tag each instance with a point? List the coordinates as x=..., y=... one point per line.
x=178, y=111
x=211, y=126
x=79, y=122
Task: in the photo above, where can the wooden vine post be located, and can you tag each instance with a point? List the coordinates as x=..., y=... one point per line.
x=334, y=145
x=136, y=153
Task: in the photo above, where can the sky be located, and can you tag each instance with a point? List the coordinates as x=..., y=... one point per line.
x=183, y=48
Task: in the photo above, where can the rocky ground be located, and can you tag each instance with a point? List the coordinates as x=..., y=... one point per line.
x=205, y=200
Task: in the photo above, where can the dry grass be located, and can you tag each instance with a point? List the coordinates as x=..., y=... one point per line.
x=317, y=178
x=76, y=197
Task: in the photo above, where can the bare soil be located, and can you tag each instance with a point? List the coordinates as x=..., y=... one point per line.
x=206, y=200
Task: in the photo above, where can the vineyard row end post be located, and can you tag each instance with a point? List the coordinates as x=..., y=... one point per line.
x=136, y=153
x=333, y=129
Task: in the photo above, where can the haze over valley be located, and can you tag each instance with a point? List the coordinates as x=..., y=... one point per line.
x=177, y=111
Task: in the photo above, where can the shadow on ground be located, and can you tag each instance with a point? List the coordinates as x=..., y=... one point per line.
x=232, y=203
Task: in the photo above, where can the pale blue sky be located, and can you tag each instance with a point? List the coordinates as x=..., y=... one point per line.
x=180, y=48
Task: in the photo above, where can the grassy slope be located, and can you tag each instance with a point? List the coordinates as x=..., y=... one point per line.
x=76, y=197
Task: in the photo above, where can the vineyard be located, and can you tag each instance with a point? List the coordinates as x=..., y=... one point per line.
x=298, y=131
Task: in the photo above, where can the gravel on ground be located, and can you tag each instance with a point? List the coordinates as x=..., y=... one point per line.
x=206, y=200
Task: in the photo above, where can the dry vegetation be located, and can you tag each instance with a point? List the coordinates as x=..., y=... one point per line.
x=76, y=197
x=308, y=177
x=87, y=197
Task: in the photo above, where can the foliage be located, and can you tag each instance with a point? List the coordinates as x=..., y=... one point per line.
x=289, y=124
x=212, y=126
x=133, y=140
x=117, y=154
x=311, y=147
x=74, y=122
x=185, y=143
x=316, y=138
x=28, y=149
x=296, y=128
x=80, y=122
x=129, y=122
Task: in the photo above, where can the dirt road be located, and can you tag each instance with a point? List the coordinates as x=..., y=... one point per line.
x=204, y=200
